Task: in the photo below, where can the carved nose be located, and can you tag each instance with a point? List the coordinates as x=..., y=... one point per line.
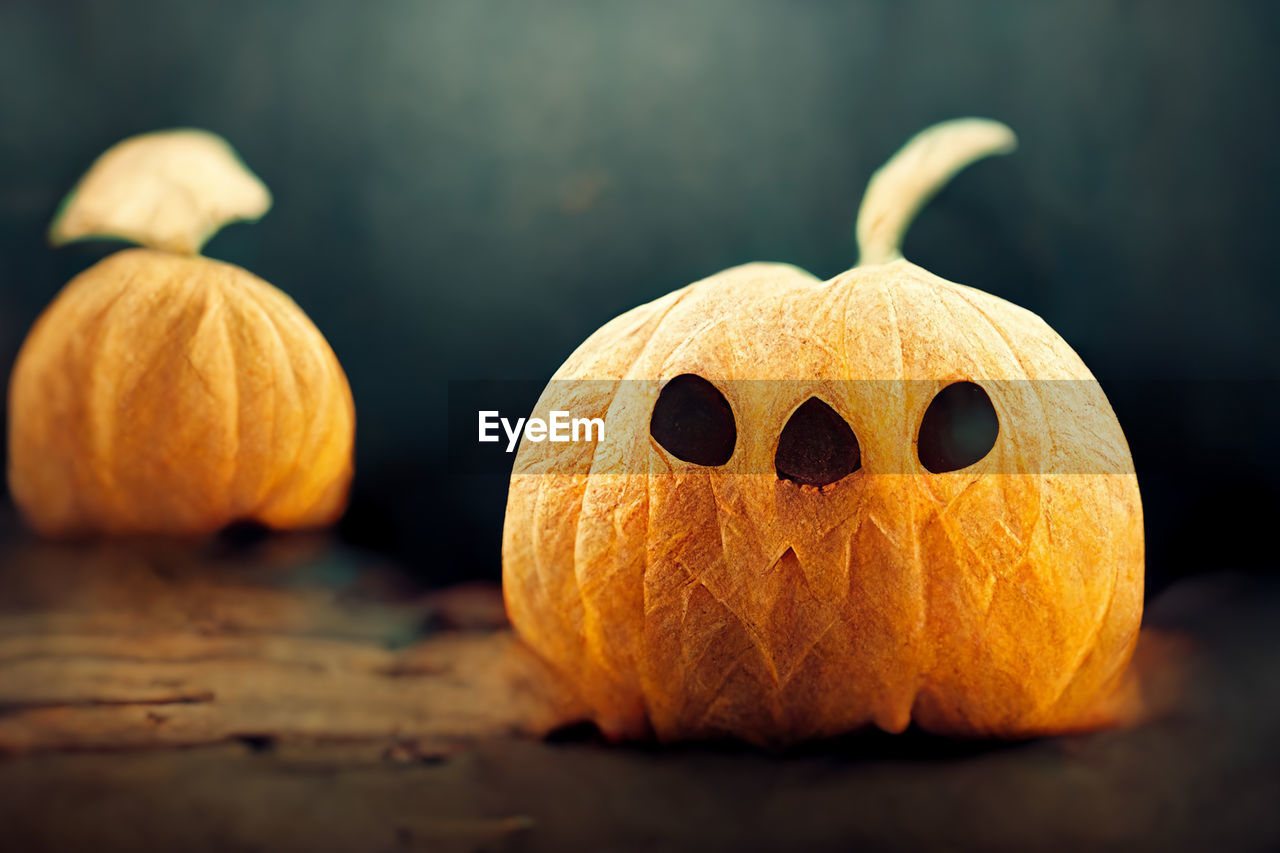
x=816, y=447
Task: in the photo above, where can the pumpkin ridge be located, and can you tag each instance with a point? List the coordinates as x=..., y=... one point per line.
x=757, y=638
x=800, y=579
x=808, y=652
x=944, y=508
x=593, y=650
x=96, y=473
x=890, y=298
x=287, y=475
x=233, y=384
x=959, y=291
x=306, y=511
x=314, y=438
x=870, y=516
x=1024, y=542
x=965, y=298
x=106, y=389
x=716, y=693
x=838, y=525
x=589, y=611
x=690, y=581
x=210, y=308
x=961, y=542
x=644, y=669
x=1087, y=648
x=542, y=573
x=1052, y=454
x=749, y=629
x=704, y=327
x=102, y=412
x=642, y=675
x=263, y=492
x=213, y=321
x=177, y=496
x=338, y=397
x=709, y=709
x=926, y=584
x=341, y=399
x=874, y=711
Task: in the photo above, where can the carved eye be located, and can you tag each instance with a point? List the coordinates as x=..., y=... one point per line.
x=816, y=447
x=958, y=429
x=693, y=422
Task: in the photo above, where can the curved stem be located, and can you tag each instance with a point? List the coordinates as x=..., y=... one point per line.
x=923, y=166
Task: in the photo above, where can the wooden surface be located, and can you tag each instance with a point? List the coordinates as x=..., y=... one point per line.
x=168, y=644
x=321, y=702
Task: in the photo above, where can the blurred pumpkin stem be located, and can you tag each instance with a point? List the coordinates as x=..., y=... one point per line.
x=170, y=190
x=923, y=166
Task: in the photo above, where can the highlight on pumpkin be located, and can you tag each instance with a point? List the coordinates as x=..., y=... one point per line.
x=879, y=500
x=171, y=189
x=165, y=392
x=901, y=187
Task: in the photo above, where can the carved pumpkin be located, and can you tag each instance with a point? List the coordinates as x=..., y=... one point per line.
x=164, y=392
x=799, y=557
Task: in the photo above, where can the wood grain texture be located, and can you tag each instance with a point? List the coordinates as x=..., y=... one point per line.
x=313, y=752
x=142, y=645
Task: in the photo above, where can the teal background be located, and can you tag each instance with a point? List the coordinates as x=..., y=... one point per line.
x=466, y=190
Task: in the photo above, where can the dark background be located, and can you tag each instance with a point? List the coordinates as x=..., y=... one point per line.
x=466, y=190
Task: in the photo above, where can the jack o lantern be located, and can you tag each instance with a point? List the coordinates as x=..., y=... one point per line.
x=820, y=505
x=164, y=392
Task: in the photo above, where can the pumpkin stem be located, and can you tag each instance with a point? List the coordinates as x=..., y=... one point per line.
x=170, y=190
x=901, y=186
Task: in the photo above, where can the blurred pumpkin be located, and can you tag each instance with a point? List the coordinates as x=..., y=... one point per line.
x=164, y=392
x=928, y=514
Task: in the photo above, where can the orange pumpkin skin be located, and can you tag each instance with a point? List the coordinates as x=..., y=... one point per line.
x=166, y=393
x=687, y=601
